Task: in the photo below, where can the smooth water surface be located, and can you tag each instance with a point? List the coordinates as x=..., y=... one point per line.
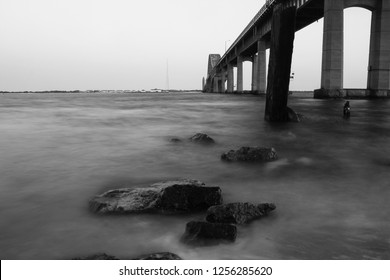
x=331, y=184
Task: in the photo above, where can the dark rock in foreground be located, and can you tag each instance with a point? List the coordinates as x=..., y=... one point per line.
x=251, y=154
x=238, y=213
x=159, y=256
x=202, y=139
x=171, y=196
x=99, y=256
x=205, y=233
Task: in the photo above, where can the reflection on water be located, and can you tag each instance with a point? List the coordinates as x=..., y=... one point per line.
x=331, y=183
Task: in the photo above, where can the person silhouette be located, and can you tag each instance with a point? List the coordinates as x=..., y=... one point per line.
x=347, y=110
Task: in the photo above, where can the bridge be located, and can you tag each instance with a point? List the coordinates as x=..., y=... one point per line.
x=255, y=39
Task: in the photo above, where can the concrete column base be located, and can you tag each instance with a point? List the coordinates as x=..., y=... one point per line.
x=351, y=93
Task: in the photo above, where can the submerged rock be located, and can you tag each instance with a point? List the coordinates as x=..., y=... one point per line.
x=159, y=256
x=202, y=138
x=170, y=196
x=99, y=256
x=238, y=213
x=205, y=233
x=251, y=154
x=175, y=140
x=293, y=116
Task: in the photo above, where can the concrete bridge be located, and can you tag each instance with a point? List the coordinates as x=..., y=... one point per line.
x=252, y=43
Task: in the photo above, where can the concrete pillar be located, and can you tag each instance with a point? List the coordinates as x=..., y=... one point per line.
x=379, y=59
x=240, y=74
x=223, y=80
x=333, y=45
x=262, y=67
x=215, y=84
x=254, y=73
x=230, y=78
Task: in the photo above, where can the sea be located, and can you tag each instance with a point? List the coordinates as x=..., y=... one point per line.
x=331, y=183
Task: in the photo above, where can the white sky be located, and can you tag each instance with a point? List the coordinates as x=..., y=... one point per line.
x=125, y=44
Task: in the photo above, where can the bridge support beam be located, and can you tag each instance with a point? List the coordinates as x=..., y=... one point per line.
x=222, y=88
x=261, y=75
x=230, y=78
x=254, y=73
x=379, y=59
x=282, y=42
x=215, y=84
x=240, y=74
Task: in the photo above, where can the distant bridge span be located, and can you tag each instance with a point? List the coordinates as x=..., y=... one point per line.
x=252, y=43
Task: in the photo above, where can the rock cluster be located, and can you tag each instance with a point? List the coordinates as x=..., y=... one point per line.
x=202, y=139
x=154, y=256
x=251, y=154
x=171, y=196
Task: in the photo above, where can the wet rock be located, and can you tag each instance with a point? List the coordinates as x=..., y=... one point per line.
x=171, y=196
x=159, y=256
x=251, y=154
x=238, y=213
x=202, y=139
x=99, y=256
x=293, y=116
x=205, y=233
x=175, y=140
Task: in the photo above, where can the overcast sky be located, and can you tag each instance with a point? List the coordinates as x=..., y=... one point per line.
x=127, y=44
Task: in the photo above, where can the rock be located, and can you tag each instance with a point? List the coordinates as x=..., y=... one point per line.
x=250, y=154
x=175, y=140
x=99, y=256
x=205, y=233
x=159, y=256
x=170, y=196
x=238, y=213
x=202, y=138
x=293, y=116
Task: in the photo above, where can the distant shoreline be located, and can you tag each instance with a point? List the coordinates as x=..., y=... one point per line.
x=105, y=91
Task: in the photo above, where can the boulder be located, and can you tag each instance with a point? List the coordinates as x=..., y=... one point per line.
x=293, y=116
x=251, y=154
x=159, y=256
x=238, y=213
x=205, y=233
x=175, y=140
x=171, y=196
x=202, y=139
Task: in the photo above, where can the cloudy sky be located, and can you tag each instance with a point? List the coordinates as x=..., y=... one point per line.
x=127, y=44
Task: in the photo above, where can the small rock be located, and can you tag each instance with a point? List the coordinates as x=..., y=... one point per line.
x=205, y=233
x=250, y=154
x=99, y=256
x=159, y=256
x=293, y=116
x=202, y=138
x=175, y=140
x=238, y=213
x=170, y=196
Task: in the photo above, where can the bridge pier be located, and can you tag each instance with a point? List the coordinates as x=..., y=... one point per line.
x=254, y=72
x=333, y=46
x=230, y=78
x=261, y=75
x=240, y=74
x=215, y=84
x=379, y=58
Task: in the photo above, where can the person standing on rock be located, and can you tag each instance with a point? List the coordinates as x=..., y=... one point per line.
x=347, y=110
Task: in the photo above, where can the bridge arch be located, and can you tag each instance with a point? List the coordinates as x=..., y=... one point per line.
x=366, y=4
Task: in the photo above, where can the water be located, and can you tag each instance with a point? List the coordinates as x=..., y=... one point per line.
x=331, y=184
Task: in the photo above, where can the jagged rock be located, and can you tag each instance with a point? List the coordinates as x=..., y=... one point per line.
x=238, y=213
x=250, y=154
x=202, y=138
x=205, y=233
x=159, y=256
x=99, y=256
x=293, y=116
x=170, y=196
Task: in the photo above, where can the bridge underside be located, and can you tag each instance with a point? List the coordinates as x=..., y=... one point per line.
x=251, y=46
